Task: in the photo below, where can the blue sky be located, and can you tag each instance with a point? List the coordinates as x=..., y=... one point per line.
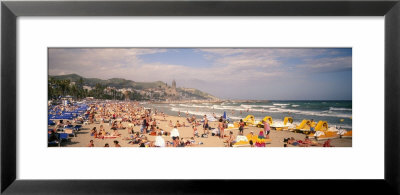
x=230, y=73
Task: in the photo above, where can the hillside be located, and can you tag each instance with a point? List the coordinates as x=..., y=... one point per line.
x=113, y=82
x=151, y=87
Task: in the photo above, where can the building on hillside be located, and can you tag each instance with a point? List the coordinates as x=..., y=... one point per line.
x=87, y=87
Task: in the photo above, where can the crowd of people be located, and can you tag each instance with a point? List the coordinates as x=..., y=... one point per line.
x=128, y=115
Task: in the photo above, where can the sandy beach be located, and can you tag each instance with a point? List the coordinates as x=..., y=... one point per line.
x=84, y=135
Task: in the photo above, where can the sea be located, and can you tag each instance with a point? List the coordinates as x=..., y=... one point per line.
x=336, y=113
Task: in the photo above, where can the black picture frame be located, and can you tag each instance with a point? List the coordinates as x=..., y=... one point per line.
x=11, y=10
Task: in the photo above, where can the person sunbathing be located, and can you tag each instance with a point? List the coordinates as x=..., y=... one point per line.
x=177, y=123
x=182, y=143
x=293, y=142
x=175, y=141
x=130, y=130
x=114, y=125
x=306, y=143
x=120, y=126
x=90, y=144
x=328, y=143
x=103, y=133
x=188, y=142
x=93, y=131
x=116, y=144
x=116, y=133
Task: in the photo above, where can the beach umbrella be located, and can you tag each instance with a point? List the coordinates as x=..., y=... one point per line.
x=224, y=115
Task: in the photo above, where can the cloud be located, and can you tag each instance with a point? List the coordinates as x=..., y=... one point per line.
x=327, y=64
x=229, y=71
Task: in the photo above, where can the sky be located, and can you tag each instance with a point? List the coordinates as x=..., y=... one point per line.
x=227, y=73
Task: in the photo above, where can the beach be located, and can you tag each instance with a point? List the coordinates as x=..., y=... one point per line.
x=84, y=135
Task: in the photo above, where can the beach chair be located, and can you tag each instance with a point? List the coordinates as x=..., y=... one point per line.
x=63, y=137
x=77, y=127
x=51, y=123
x=70, y=132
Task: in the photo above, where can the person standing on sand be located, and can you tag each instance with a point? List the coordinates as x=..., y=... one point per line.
x=221, y=127
x=241, y=127
x=195, y=133
x=267, y=129
x=143, y=125
x=174, y=132
x=205, y=125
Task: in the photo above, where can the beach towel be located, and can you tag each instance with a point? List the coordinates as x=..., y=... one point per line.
x=110, y=137
x=153, y=133
x=241, y=138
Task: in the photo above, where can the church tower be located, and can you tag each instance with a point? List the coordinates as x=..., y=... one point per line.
x=173, y=84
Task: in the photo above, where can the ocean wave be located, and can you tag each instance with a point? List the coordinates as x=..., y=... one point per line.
x=227, y=108
x=340, y=109
x=193, y=106
x=208, y=114
x=256, y=106
x=281, y=104
x=310, y=113
x=295, y=105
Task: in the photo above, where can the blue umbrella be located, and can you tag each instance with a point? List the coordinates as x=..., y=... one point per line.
x=224, y=115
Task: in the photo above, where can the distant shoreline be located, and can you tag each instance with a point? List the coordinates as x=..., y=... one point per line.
x=208, y=101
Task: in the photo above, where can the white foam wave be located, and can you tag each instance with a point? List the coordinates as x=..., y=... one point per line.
x=340, y=109
x=281, y=104
x=311, y=113
x=256, y=106
x=295, y=105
